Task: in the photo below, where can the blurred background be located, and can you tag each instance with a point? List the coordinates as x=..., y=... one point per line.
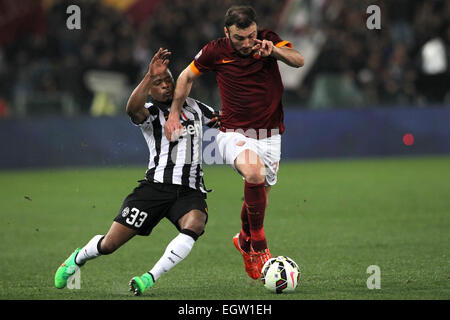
x=362, y=179
x=47, y=70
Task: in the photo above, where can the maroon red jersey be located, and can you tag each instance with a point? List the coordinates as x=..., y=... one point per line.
x=250, y=87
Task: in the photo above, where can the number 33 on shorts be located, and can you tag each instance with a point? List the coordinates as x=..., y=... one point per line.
x=136, y=218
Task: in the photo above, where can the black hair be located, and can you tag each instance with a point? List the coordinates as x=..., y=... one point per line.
x=241, y=16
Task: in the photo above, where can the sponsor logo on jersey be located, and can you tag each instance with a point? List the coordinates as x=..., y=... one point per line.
x=192, y=129
x=226, y=61
x=125, y=212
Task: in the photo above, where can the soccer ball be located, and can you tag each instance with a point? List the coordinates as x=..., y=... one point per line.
x=280, y=274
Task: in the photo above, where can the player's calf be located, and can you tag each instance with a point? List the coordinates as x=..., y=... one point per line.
x=177, y=250
x=117, y=236
x=255, y=198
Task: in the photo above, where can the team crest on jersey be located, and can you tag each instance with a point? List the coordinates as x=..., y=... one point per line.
x=190, y=109
x=125, y=212
x=184, y=116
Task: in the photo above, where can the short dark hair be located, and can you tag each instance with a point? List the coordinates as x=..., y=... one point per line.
x=241, y=16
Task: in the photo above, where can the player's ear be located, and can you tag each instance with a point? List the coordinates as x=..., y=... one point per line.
x=225, y=30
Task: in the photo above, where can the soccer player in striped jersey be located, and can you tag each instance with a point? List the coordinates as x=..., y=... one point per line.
x=251, y=89
x=173, y=187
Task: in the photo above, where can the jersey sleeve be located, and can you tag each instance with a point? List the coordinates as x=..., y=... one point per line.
x=275, y=38
x=204, y=60
x=209, y=115
x=147, y=124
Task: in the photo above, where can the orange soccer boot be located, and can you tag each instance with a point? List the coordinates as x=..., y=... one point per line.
x=260, y=258
x=250, y=264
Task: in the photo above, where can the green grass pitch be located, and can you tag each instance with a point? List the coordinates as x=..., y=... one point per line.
x=335, y=218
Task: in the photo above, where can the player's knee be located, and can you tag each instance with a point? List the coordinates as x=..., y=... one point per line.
x=194, y=221
x=255, y=178
x=251, y=167
x=197, y=226
x=254, y=173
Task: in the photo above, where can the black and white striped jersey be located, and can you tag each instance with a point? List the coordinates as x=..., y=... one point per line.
x=178, y=162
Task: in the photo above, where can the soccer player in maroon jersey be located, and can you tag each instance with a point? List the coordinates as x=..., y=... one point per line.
x=245, y=64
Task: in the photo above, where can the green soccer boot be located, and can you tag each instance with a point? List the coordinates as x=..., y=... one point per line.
x=68, y=268
x=140, y=284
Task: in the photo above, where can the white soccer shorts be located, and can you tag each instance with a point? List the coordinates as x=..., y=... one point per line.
x=231, y=144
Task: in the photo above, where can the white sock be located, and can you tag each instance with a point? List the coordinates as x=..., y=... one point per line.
x=177, y=250
x=89, y=251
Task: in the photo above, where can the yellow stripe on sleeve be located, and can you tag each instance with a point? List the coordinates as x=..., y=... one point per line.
x=194, y=69
x=284, y=43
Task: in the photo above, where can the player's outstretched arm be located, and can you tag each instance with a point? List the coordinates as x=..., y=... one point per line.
x=173, y=127
x=288, y=55
x=136, y=103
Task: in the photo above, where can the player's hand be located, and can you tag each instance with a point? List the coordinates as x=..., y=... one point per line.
x=263, y=47
x=215, y=121
x=173, y=128
x=159, y=62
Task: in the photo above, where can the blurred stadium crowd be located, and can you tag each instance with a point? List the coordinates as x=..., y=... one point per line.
x=403, y=63
x=46, y=68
